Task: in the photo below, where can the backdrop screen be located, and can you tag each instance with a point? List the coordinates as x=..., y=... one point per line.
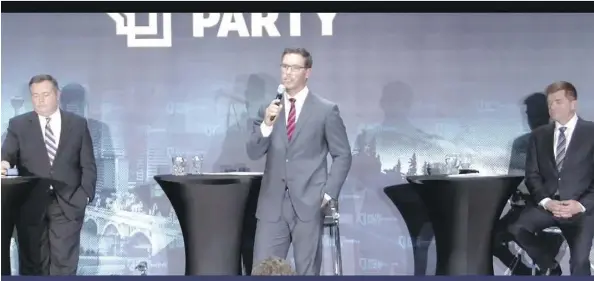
x=413, y=89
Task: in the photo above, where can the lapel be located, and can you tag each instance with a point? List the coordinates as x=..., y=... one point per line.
x=282, y=124
x=576, y=138
x=35, y=127
x=66, y=126
x=549, y=144
x=304, y=115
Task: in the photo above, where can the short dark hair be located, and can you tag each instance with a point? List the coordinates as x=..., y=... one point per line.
x=300, y=51
x=273, y=266
x=569, y=89
x=44, y=77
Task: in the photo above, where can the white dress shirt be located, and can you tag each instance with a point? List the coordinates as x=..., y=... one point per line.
x=299, y=100
x=570, y=127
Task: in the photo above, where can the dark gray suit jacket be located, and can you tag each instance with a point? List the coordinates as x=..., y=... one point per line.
x=576, y=178
x=73, y=174
x=301, y=165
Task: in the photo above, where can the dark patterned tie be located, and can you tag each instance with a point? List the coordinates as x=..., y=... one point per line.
x=50, y=141
x=561, y=148
x=291, y=120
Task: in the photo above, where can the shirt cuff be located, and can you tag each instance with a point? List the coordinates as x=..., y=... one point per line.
x=544, y=202
x=265, y=129
x=583, y=208
x=327, y=197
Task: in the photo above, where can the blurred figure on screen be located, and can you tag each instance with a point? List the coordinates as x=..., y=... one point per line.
x=296, y=133
x=56, y=146
x=560, y=180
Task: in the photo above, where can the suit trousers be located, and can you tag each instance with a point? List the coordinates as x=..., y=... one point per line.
x=50, y=245
x=273, y=239
x=578, y=231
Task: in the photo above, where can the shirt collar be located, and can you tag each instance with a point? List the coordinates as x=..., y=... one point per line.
x=570, y=125
x=300, y=96
x=53, y=116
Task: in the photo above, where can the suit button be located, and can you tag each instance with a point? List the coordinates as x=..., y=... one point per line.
x=559, y=178
x=287, y=160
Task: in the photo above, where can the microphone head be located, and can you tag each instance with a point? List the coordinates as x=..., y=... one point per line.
x=281, y=89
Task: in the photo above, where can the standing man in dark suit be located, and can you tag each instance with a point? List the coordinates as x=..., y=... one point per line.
x=296, y=136
x=56, y=146
x=560, y=178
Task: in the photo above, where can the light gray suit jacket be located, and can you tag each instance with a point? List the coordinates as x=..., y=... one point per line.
x=301, y=164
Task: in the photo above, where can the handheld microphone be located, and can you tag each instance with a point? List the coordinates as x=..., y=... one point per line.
x=279, y=96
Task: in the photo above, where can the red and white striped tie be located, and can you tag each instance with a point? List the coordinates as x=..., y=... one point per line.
x=291, y=120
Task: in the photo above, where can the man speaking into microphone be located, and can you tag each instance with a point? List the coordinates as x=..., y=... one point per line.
x=296, y=133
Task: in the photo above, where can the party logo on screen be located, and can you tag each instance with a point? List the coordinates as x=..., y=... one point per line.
x=125, y=24
x=157, y=32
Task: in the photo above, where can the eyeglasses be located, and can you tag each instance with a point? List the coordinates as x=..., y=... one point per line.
x=291, y=68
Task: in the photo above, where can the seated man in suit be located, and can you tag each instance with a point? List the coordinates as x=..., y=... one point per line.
x=560, y=178
x=537, y=115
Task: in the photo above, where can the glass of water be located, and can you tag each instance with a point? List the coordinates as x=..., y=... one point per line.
x=227, y=168
x=241, y=168
x=428, y=169
x=465, y=161
x=179, y=165
x=452, y=164
x=197, y=163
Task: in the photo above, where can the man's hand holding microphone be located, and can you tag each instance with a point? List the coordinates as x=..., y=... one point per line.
x=275, y=107
x=272, y=111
